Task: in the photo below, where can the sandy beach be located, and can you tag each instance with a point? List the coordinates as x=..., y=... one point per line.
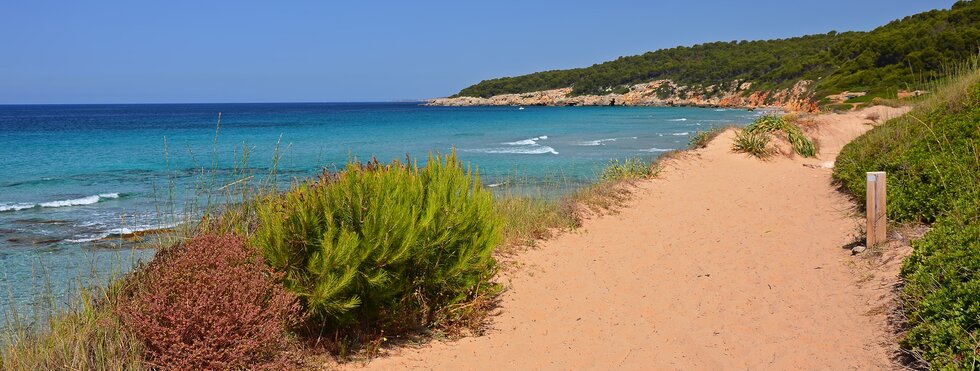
x=722, y=262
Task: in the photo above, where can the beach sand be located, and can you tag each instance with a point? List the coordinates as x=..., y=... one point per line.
x=722, y=262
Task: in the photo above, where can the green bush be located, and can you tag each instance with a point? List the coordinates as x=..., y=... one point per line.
x=387, y=245
x=932, y=156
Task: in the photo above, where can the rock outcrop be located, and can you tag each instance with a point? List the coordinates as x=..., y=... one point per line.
x=797, y=98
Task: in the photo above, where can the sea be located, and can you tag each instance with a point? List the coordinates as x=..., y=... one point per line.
x=76, y=179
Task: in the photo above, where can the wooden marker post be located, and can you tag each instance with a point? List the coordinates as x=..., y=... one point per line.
x=877, y=218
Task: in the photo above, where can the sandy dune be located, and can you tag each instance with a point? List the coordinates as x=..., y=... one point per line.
x=723, y=262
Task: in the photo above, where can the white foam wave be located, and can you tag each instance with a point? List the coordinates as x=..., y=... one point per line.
x=536, y=150
x=87, y=200
x=528, y=146
x=597, y=142
x=680, y=119
x=72, y=202
x=526, y=142
x=121, y=231
x=87, y=238
x=655, y=149
x=16, y=207
x=681, y=133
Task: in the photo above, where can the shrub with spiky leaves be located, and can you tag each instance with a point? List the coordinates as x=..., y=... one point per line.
x=389, y=245
x=768, y=124
x=752, y=143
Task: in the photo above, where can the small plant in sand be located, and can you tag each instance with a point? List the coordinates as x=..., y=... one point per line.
x=752, y=143
x=631, y=168
x=769, y=124
x=701, y=138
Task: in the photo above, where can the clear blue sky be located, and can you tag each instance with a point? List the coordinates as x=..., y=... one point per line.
x=300, y=51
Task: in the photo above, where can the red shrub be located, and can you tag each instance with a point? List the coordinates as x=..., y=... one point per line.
x=211, y=303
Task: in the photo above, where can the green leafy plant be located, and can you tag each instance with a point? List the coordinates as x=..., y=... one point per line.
x=390, y=245
x=768, y=124
x=752, y=143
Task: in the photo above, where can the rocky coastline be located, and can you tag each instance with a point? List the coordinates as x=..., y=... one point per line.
x=734, y=94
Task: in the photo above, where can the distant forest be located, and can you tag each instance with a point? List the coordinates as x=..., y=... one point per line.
x=895, y=56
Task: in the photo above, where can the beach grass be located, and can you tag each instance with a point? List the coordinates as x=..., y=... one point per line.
x=752, y=143
x=701, y=138
x=83, y=335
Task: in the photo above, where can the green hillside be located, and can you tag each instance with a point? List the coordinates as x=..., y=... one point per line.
x=888, y=58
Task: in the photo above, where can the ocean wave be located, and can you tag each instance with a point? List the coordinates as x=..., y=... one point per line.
x=680, y=119
x=535, y=150
x=597, y=142
x=16, y=207
x=120, y=231
x=526, y=142
x=87, y=200
x=681, y=133
x=655, y=149
x=528, y=146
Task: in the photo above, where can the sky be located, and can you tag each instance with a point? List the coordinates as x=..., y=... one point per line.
x=347, y=51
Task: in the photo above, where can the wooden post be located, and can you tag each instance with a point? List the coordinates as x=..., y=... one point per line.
x=876, y=201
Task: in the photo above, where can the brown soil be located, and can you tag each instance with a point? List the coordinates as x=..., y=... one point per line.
x=722, y=262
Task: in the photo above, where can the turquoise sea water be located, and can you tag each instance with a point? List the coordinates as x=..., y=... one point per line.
x=72, y=177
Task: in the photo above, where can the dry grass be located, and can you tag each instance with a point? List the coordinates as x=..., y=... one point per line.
x=86, y=337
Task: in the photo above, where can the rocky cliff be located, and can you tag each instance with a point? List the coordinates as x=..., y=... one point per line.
x=797, y=98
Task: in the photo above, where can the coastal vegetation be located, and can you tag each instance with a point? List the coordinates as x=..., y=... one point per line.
x=701, y=138
x=754, y=139
x=932, y=157
x=391, y=246
x=346, y=260
x=898, y=55
x=752, y=143
x=339, y=263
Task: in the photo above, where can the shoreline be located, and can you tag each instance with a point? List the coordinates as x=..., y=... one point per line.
x=756, y=284
x=657, y=93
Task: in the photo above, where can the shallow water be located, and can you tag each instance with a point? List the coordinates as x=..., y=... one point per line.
x=73, y=177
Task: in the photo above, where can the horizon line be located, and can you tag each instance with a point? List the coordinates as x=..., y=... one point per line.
x=165, y=103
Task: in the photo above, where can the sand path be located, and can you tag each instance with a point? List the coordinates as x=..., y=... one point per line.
x=723, y=262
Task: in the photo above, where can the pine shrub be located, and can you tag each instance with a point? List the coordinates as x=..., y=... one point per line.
x=211, y=303
x=385, y=245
